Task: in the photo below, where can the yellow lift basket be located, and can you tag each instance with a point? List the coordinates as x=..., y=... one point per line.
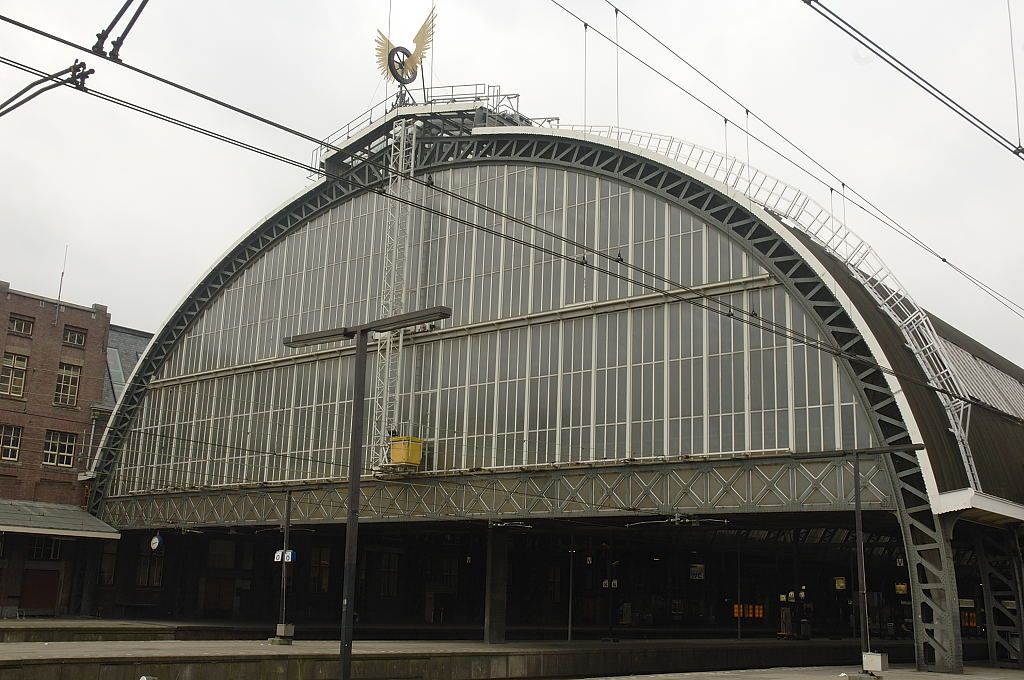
x=406, y=450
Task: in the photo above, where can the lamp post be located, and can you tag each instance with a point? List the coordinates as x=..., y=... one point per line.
x=285, y=632
x=862, y=596
x=361, y=334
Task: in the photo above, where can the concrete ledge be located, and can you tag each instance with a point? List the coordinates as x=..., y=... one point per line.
x=414, y=660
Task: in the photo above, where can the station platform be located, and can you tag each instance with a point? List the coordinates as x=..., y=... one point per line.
x=412, y=659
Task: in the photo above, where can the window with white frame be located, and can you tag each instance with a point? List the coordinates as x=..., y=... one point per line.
x=10, y=441
x=20, y=325
x=59, y=448
x=12, y=374
x=68, y=378
x=74, y=336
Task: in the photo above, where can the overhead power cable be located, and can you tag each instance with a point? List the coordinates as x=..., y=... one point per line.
x=383, y=167
x=749, y=318
x=617, y=260
x=864, y=204
x=880, y=216
x=916, y=78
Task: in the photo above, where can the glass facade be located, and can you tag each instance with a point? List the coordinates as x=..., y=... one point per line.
x=543, y=360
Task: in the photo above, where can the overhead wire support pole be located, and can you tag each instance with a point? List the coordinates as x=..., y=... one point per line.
x=101, y=37
x=115, y=47
x=284, y=633
x=1013, y=66
x=862, y=589
x=73, y=75
x=361, y=335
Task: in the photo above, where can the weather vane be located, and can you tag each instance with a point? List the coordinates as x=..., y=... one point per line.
x=398, y=62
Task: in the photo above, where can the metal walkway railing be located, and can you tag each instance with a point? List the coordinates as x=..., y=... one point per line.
x=490, y=96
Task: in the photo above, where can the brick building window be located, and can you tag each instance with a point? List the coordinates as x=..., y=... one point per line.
x=68, y=377
x=59, y=448
x=47, y=548
x=74, y=336
x=10, y=442
x=20, y=325
x=12, y=374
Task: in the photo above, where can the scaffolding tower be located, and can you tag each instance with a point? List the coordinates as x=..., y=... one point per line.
x=393, y=284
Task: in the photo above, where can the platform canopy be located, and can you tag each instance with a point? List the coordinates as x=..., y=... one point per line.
x=52, y=519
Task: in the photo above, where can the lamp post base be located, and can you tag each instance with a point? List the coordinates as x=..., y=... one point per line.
x=285, y=633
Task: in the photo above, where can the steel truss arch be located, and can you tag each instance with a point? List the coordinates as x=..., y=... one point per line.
x=926, y=536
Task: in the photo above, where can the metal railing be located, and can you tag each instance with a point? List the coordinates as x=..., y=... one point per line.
x=489, y=96
x=800, y=211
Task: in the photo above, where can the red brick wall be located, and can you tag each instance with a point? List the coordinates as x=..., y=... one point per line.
x=28, y=478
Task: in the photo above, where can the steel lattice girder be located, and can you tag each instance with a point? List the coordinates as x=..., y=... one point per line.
x=999, y=566
x=745, y=485
x=926, y=537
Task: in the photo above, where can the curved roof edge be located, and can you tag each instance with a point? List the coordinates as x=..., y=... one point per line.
x=807, y=253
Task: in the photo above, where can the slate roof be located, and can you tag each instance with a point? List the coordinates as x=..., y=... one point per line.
x=52, y=519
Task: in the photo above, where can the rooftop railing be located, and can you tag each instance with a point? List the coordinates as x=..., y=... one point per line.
x=489, y=96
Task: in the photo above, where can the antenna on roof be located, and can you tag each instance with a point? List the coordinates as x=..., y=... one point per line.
x=60, y=286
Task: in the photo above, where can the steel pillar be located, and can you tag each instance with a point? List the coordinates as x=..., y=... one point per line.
x=926, y=539
x=999, y=567
x=496, y=588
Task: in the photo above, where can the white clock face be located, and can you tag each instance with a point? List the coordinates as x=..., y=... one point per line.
x=155, y=542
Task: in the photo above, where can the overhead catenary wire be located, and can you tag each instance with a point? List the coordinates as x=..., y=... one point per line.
x=348, y=154
x=743, y=316
x=916, y=78
x=864, y=204
x=874, y=211
x=730, y=310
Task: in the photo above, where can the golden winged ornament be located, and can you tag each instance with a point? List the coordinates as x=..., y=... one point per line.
x=397, y=61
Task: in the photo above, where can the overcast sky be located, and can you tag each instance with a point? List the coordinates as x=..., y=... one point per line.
x=147, y=208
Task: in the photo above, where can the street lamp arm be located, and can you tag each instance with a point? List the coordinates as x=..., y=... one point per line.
x=391, y=323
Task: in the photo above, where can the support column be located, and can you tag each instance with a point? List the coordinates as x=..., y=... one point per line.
x=93, y=551
x=496, y=587
x=930, y=566
x=999, y=567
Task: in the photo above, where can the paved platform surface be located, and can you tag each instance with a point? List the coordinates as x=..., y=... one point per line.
x=828, y=673
x=169, y=649
x=439, y=660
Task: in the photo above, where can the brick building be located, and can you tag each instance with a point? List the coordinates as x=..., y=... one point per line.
x=59, y=377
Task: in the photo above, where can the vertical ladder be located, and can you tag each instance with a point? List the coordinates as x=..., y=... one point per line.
x=392, y=298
